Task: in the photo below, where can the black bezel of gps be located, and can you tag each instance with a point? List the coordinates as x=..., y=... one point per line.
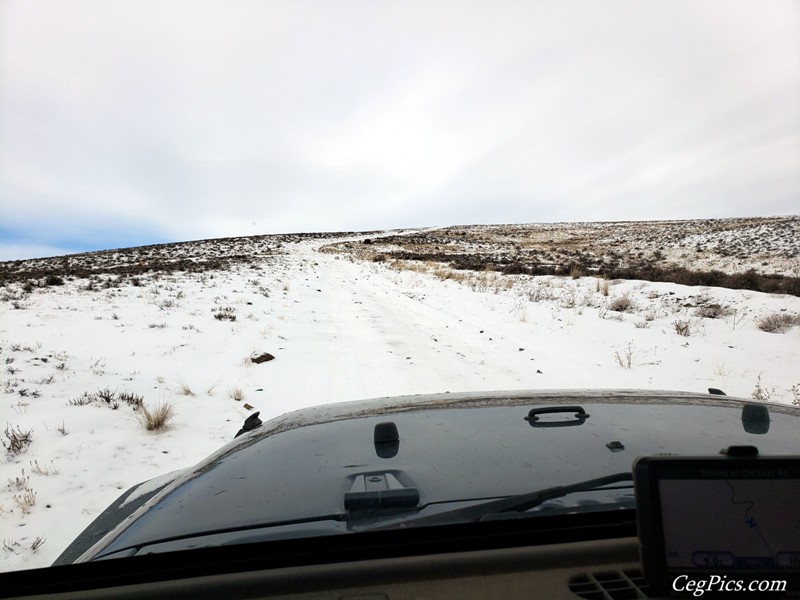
x=719, y=522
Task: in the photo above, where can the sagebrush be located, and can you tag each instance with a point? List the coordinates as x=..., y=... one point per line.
x=777, y=322
x=17, y=441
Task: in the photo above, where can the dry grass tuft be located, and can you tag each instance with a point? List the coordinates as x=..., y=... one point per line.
x=158, y=418
x=26, y=500
x=38, y=543
x=17, y=441
x=236, y=394
x=622, y=303
x=225, y=313
x=713, y=311
x=777, y=322
x=719, y=368
x=760, y=392
x=681, y=327
x=627, y=358
x=44, y=470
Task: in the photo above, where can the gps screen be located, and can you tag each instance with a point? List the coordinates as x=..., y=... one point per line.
x=733, y=518
x=737, y=524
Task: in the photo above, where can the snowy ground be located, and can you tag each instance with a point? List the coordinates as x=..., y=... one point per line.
x=340, y=329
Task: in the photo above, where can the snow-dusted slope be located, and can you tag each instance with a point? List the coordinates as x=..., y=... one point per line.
x=340, y=329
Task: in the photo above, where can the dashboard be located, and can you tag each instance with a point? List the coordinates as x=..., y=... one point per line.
x=575, y=570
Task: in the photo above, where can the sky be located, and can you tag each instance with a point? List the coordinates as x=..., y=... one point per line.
x=125, y=123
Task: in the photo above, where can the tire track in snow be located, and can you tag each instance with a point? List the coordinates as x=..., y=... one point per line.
x=387, y=343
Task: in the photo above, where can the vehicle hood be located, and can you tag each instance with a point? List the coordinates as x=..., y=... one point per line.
x=450, y=447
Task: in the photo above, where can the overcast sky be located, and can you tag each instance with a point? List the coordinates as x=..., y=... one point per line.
x=126, y=123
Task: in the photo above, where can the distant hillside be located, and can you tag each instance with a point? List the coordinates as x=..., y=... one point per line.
x=199, y=255
x=757, y=253
x=761, y=254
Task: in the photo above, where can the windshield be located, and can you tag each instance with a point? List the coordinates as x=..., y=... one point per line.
x=210, y=210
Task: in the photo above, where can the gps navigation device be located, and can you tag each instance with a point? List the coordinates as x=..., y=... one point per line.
x=724, y=521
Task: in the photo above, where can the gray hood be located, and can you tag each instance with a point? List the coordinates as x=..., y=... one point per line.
x=292, y=474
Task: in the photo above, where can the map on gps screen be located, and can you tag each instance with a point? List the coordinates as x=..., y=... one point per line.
x=731, y=523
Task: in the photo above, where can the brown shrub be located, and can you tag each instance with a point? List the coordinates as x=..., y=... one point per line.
x=777, y=322
x=622, y=303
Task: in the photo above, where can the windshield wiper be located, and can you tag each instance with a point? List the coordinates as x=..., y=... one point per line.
x=517, y=503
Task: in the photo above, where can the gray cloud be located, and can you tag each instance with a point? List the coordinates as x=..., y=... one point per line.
x=185, y=120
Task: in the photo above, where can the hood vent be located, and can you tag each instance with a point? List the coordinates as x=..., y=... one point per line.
x=611, y=585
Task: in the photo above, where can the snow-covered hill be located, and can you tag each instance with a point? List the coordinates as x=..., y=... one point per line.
x=340, y=328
